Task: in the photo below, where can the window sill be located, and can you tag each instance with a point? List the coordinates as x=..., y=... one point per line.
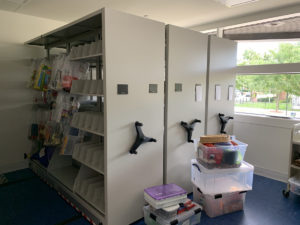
x=265, y=120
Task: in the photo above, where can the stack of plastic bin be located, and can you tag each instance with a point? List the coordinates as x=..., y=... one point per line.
x=168, y=204
x=220, y=177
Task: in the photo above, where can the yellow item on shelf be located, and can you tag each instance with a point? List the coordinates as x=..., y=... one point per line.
x=218, y=138
x=42, y=78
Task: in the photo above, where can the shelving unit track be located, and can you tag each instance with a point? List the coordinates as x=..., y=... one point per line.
x=75, y=201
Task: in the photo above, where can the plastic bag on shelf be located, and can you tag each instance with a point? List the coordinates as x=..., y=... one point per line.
x=74, y=136
x=34, y=68
x=53, y=134
x=42, y=116
x=57, y=67
x=73, y=71
x=44, y=155
x=80, y=70
x=43, y=75
x=65, y=107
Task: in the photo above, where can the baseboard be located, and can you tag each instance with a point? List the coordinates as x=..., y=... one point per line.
x=275, y=175
x=14, y=166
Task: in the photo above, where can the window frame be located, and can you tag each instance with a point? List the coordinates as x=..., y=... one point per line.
x=268, y=69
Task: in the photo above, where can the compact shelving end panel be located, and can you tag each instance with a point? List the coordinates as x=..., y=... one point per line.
x=221, y=76
x=132, y=61
x=186, y=63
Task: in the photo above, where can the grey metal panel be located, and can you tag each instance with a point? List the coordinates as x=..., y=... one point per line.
x=133, y=55
x=186, y=64
x=222, y=67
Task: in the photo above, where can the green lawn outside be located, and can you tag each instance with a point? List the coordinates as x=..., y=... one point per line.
x=266, y=105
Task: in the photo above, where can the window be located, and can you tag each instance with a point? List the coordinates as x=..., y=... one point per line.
x=273, y=95
x=268, y=52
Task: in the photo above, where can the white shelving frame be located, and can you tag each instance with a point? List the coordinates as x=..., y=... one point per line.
x=133, y=54
x=294, y=170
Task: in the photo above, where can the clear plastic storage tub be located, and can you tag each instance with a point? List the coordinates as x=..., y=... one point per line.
x=295, y=185
x=190, y=217
x=219, y=204
x=163, y=196
x=214, y=181
x=221, y=155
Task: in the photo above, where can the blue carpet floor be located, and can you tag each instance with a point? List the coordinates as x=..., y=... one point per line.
x=26, y=200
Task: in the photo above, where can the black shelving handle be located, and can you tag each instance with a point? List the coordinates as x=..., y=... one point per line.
x=224, y=120
x=190, y=128
x=140, y=138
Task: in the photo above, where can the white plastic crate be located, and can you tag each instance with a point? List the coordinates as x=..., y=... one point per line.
x=219, y=204
x=165, y=202
x=163, y=196
x=221, y=155
x=295, y=185
x=214, y=181
x=191, y=217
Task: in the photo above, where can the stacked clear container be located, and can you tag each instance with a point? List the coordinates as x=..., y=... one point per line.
x=220, y=177
x=168, y=204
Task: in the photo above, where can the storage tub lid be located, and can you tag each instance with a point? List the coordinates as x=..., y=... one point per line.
x=171, y=208
x=239, y=144
x=245, y=167
x=295, y=181
x=164, y=191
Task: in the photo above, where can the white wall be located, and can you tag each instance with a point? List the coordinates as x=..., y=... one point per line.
x=18, y=28
x=15, y=98
x=269, y=143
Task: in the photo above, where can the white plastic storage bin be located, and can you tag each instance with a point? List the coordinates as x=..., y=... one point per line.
x=212, y=181
x=191, y=217
x=219, y=204
x=295, y=185
x=163, y=196
x=221, y=155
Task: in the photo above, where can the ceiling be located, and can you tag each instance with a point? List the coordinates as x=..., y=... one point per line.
x=288, y=28
x=185, y=13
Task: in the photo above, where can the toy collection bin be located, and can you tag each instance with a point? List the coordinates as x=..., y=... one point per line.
x=295, y=185
x=221, y=155
x=191, y=217
x=163, y=196
x=212, y=181
x=219, y=204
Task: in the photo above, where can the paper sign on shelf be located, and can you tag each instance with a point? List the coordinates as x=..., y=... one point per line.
x=218, y=92
x=230, y=92
x=198, y=90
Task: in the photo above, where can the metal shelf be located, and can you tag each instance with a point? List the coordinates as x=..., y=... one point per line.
x=295, y=167
x=100, y=209
x=90, y=166
x=296, y=142
x=77, y=93
x=66, y=175
x=88, y=58
x=90, y=131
